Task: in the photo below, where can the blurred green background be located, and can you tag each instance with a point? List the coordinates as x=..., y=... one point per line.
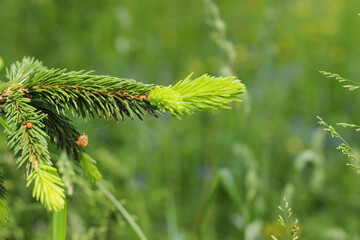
x=175, y=177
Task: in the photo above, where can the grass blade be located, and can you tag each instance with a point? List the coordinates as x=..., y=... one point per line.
x=122, y=210
x=228, y=181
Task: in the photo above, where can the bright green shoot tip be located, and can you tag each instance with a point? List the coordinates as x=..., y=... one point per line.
x=202, y=94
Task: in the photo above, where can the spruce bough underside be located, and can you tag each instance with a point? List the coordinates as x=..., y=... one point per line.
x=36, y=100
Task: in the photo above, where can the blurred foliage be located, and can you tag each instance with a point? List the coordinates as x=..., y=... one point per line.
x=164, y=170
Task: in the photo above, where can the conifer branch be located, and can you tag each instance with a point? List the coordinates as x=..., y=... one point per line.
x=36, y=100
x=27, y=140
x=85, y=94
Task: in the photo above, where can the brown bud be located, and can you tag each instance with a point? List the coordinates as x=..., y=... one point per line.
x=82, y=141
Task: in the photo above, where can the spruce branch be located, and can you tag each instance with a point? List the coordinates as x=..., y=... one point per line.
x=110, y=97
x=27, y=140
x=36, y=101
x=85, y=94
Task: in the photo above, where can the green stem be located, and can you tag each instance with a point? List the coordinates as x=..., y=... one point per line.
x=122, y=210
x=59, y=225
